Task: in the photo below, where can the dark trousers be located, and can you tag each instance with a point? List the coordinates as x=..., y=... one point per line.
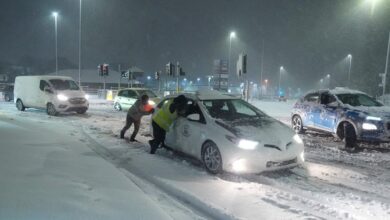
x=129, y=121
x=159, y=137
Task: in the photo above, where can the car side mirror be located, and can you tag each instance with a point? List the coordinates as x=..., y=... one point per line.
x=48, y=90
x=194, y=117
x=334, y=104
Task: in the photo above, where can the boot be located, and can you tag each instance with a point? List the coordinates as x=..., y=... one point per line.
x=122, y=135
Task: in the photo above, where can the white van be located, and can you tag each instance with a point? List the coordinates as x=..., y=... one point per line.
x=54, y=93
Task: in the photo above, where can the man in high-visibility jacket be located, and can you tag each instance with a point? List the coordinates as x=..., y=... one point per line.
x=164, y=118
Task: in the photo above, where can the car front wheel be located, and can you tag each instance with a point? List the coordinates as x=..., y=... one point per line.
x=212, y=158
x=297, y=124
x=117, y=106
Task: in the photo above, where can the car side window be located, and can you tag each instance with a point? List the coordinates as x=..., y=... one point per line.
x=132, y=94
x=312, y=98
x=120, y=93
x=43, y=84
x=327, y=98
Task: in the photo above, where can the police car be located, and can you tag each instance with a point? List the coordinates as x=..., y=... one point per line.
x=229, y=134
x=348, y=114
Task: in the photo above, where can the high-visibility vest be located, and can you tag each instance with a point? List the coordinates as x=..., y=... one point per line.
x=164, y=118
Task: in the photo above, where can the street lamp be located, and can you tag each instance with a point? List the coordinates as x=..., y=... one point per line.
x=280, y=76
x=231, y=36
x=328, y=77
x=80, y=45
x=148, y=77
x=266, y=85
x=349, y=70
x=55, y=15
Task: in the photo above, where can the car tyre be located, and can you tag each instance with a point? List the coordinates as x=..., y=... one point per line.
x=19, y=105
x=83, y=111
x=350, y=140
x=51, y=110
x=297, y=124
x=211, y=158
x=117, y=106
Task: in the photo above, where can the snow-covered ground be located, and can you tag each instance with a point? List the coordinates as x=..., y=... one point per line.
x=77, y=164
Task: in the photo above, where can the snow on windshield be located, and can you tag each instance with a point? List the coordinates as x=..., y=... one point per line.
x=357, y=100
x=60, y=84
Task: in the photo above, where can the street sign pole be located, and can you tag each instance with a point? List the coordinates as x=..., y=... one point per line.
x=386, y=67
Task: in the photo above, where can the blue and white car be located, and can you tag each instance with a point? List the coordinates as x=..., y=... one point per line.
x=351, y=115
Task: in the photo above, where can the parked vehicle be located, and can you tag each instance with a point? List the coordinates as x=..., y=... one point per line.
x=7, y=93
x=348, y=114
x=54, y=93
x=127, y=97
x=229, y=134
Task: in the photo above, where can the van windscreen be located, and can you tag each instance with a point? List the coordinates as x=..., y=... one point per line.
x=60, y=84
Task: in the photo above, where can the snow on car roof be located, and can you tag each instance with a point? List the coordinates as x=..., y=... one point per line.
x=212, y=95
x=344, y=90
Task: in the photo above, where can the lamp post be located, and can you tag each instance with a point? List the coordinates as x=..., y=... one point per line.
x=55, y=15
x=231, y=36
x=328, y=77
x=80, y=45
x=266, y=85
x=349, y=70
x=280, y=76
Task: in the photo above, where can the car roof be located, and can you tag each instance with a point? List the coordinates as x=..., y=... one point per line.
x=337, y=90
x=205, y=95
x=136, y=89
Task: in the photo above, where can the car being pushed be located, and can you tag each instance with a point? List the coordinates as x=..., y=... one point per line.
x=127, y=97
x=229, y=134
x=351, y=115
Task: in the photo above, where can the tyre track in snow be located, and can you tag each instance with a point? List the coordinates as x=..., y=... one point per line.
x=193, y=203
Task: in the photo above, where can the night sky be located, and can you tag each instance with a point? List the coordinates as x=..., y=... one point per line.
x=310, y=38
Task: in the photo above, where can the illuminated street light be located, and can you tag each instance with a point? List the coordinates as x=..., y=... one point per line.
x=231, y=37
x=349, y=70
x=149, y=77
x=55, y=15
x=280, y=76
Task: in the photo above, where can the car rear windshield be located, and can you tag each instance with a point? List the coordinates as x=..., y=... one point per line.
x=60, y=84
x=358, y=100
x=232, y=109
x=147, y=92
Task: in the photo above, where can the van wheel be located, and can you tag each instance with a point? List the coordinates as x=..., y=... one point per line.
x=51, y=110
x=19, y=105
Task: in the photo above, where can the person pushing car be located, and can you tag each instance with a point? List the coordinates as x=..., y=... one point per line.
x=134, y=115
x=164, y=118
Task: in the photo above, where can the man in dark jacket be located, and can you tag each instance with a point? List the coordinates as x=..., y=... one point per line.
x=134, y=115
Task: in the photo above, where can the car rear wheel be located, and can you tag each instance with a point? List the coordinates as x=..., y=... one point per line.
x=51, y=110
x=212, y=158
x=117, y=106
x=297, y=124
x=19, y=105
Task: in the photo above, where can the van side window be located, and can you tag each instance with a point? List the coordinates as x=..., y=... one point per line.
x=43, y=84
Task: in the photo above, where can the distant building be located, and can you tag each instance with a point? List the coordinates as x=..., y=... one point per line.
x=221, y=75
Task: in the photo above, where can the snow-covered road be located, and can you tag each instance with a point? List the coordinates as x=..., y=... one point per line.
x=333, y=185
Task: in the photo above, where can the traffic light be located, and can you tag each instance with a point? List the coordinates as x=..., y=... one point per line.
x=170, y=69
x=100, y=69
x=157, y=75
x=105, y=69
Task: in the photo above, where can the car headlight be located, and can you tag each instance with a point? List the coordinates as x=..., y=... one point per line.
x=86, y=96
x=62, y=97
x=247, y=144
x=302, y=156
x=151, y=102
x=239, y=165
x=297, y=139
x=373, y=118
x=369, y=126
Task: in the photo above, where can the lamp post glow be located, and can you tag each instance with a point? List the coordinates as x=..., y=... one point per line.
x=231, y=36
x=55, y=15
x=349, y=70
x=266, y=85
x=280, y=76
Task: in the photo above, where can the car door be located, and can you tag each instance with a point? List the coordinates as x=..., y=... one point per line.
x=132, y=97
x=188, y=131
x=310, y=109
x=328, y=115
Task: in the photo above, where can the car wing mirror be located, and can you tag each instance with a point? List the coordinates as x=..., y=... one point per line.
x=48, y=90
x=194, y=117
x=334, y=104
